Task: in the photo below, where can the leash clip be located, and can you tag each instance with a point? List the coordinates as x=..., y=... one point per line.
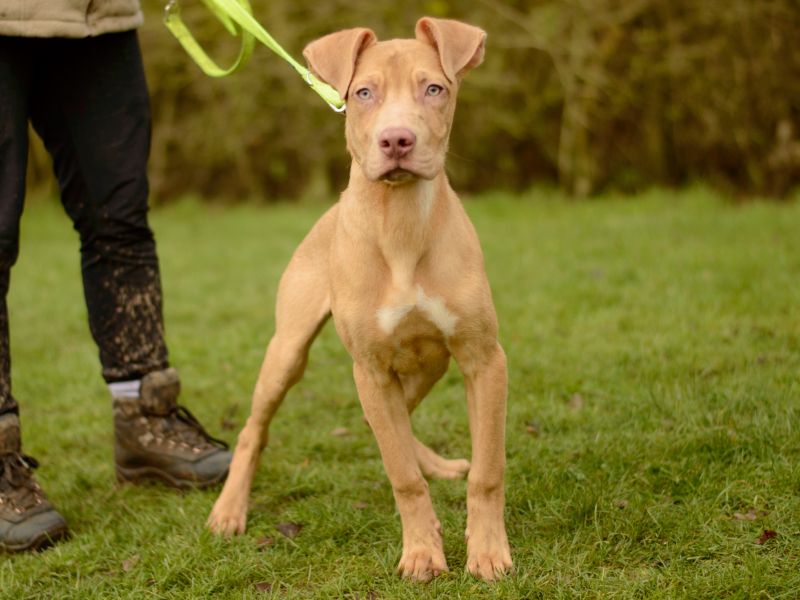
x=307, y=77
x=172, y=8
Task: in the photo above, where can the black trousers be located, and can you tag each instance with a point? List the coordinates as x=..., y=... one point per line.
x=88, y=100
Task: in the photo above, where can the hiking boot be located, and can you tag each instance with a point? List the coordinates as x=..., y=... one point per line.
x=156, y=438
x=27, y=520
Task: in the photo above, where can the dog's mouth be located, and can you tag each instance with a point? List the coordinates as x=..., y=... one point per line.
x=398, y=175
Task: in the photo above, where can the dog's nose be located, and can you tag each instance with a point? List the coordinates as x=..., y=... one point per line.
x=397, y=142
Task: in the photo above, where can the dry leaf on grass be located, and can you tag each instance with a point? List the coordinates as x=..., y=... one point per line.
x=265, y=542
x=228, y=422
x=129, y=563
x=263, y=586
x=340, y=432
x=767, y=535
x=290, y=530
x=751, y=515
x=533, y=428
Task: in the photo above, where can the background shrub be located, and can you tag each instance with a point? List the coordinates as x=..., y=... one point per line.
x=589, y=94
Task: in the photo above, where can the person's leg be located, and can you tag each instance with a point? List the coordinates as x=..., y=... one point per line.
x=27, y=519
x=99, y=138
x=15, y=70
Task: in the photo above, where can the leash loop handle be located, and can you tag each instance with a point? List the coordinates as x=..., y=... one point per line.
x=237, y=17
x=173, y=21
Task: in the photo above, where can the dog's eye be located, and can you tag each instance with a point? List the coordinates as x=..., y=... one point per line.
x=434, y=90
x=364, y=94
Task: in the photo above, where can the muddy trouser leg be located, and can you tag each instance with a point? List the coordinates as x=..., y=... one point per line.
x=15, y=78
x=90, y=106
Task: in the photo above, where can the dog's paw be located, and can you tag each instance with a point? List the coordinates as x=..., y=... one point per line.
x=227, y=521
x=422, y=563
x=488, y=554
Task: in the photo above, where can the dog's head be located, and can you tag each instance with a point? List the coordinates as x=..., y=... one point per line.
x=400, y=94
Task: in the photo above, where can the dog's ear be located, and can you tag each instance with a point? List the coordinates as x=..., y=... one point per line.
x=460, y=46
x=333, y=58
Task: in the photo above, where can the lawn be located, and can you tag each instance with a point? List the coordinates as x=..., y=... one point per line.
x=653, y=426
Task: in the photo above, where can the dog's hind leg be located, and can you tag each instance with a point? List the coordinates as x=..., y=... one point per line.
x=302, y=307
x=435, y=466
x=415, y=387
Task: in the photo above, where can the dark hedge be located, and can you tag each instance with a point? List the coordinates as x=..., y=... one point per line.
x=592, y=95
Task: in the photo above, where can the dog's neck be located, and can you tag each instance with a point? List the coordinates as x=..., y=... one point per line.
x=398, y=219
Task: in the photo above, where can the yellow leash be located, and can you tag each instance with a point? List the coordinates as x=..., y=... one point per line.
x=237, y=17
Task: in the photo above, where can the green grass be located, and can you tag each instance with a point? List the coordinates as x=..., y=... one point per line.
x=653, y=343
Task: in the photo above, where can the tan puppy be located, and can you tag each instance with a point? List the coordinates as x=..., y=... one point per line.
x=399, y=265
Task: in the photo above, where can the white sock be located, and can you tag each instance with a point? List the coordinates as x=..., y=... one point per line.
x=125, y=389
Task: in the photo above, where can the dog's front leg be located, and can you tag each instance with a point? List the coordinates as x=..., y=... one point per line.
x=384, y=406
x=302, y=307
x=488, y=553
x=282, y=367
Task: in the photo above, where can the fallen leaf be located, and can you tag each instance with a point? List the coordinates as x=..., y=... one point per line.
x=576, y=402
x=597, y=273
x=129, y=563
x=750, y=515
x=227, y=422
x=265, y=542
x=340, y=431
x=360, y=505
x=621, y=504
x=263, y=586
x=533, y=428
x=767, y=535
x=290, y=530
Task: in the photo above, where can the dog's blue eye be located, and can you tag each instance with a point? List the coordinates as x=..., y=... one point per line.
x=364, y=94
x=434, y=90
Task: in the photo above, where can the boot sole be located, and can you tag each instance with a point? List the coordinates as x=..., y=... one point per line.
x=148, y=474
x=40, y=542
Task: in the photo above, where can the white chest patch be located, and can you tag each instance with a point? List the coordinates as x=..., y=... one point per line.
x=390, y=316
x=433, y=308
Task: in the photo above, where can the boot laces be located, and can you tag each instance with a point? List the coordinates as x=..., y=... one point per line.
x=181, y=426
x=19, y=489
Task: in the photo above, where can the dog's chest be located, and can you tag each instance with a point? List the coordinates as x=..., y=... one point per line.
x=414, y=311
x=410, y=328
